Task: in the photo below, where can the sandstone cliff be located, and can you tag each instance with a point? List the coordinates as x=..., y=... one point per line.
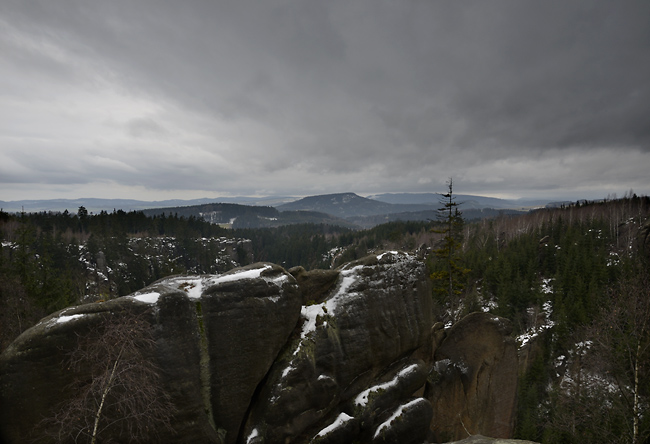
x=261, y=355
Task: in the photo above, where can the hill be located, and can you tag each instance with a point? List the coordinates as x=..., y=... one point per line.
x=346, y=205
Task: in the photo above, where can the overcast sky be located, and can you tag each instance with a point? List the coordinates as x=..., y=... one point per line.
x=151, y=99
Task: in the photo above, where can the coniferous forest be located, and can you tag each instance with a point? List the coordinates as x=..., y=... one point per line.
x=573, y=280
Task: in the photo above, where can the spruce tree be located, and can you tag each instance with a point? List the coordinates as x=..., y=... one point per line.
x=448, y=274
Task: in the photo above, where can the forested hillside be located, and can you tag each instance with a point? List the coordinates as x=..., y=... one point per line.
x=574, y=281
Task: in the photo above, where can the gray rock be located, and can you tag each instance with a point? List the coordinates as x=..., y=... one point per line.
x=216, y=338
x=314, y=285
x=474, y=383
x=344, y=429
x=400, y=382
x=406, y=424
x=378, y=312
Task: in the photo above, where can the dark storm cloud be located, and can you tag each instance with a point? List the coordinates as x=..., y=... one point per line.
x=309, y=96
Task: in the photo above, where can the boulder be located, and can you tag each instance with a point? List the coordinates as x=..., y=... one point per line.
x=473, y=386
x=35, y=375
x=216, y=338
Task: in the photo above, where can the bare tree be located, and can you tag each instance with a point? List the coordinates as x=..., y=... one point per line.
x=117, y=390
x=622, y=338
x=604, y=394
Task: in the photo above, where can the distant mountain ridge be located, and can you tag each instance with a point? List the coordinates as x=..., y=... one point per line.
x=333, y=202
x=96, y=205
x=343, y=209
x=465, y=200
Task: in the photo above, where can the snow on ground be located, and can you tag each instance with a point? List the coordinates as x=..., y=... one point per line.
x=546, y=288
x=536, y=330
x=362, y=398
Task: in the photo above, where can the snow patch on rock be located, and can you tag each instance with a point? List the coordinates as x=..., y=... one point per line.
x=149, y=298
x=64, y=319
x=339, y=422
x=362, y=398
x=400, y=410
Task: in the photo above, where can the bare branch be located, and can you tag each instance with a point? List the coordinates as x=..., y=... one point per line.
x=116, y=389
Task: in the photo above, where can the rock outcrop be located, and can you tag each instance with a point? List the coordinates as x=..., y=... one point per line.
x=378, y=313
x=216, y=338
x=474, y=380
x=262, y=355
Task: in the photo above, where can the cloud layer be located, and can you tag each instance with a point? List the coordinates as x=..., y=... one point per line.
x=154, y=100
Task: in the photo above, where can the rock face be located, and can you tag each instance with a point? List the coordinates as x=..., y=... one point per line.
x=474, y=380
x=377, y=314
x=260, y=355
x=216, y=338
